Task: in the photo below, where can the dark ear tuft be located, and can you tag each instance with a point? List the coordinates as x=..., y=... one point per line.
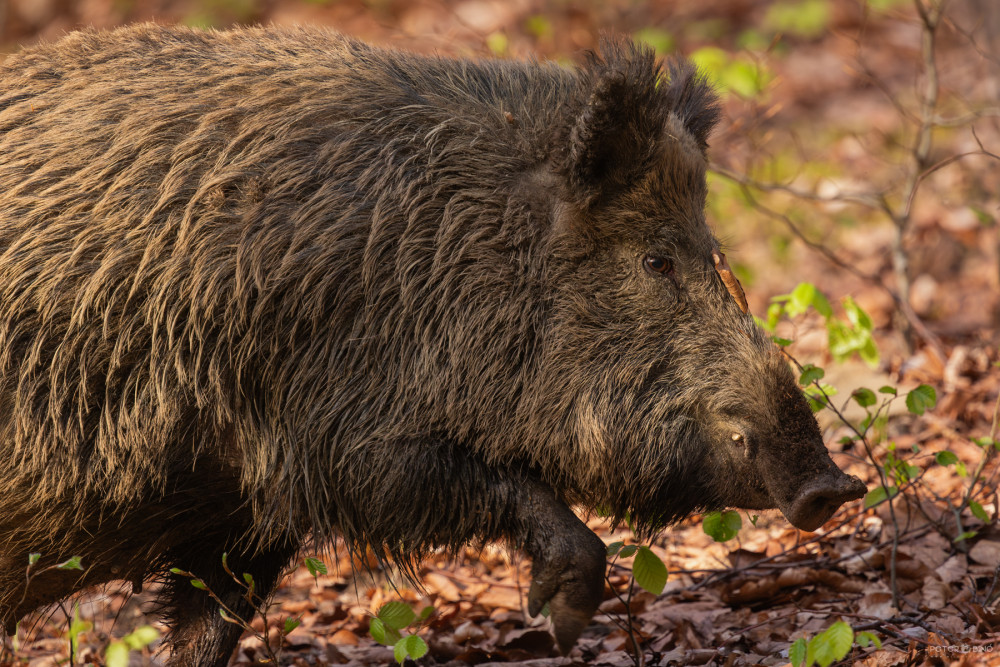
x=692, y=99
x=617, y=124
x=611, y=138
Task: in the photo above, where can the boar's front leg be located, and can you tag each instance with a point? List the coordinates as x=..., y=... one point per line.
x=420, y=494
x=200, y=635
x=568, y=564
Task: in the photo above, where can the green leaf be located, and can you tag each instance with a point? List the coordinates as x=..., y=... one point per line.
x=810, y=374
x=746, y=79
x=864, y=397
x=198, y=583
x=628, y=552
x=869, y=352
x=773, y=315
x=661, y=40
x=885, y=5
x=382, y=633
x=967, y=535
x=800, y=299
x=710, y=61
x=945, y=458
x=76, y=627
x=141, y=637
x=817, y=401
x=984, y=218
x=886, y=389
x=878, y=494
x=781, y=342
x=177, y=570
x=921, y=399
x=399, y=651
x=410, y=646
x=855, y=336
x=832, y=644
x=291, y=624
x=722, y=526
x=803, y=18
x=983, y=442
x=315, y=566
x=396, y=615
x=539, y=26
x=797, y=652
x=614, y=548
x=908, y=472
x=497, y=43
x=32, y=559
x=865, y=638
x=856, y=315
x=649, y=571
x=822, y=305
x=377, y=629
x=426, y=612
x=416, y=647
x=116, y=655
x=71, y=564
x=978, y=511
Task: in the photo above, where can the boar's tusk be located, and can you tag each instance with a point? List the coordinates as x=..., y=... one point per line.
x=729, y=280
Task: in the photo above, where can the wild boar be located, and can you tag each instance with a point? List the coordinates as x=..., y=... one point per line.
x=270, y=284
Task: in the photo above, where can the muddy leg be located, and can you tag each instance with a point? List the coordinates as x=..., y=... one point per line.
x=446, y=495
x=200, y=636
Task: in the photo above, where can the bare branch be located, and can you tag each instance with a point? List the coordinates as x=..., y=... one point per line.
x=966, y=119
x=870, y=200
x=944, y=163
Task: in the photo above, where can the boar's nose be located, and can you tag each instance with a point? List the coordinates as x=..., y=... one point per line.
x=816, y=501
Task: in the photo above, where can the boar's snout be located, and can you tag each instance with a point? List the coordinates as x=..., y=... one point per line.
x=817, y=500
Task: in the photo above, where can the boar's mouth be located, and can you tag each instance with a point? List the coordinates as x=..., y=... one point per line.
x=818, y=499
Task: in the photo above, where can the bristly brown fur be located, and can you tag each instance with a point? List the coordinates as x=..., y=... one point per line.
x=267, y=284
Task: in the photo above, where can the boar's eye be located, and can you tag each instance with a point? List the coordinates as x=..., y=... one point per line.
x=740, y=441
x=655, y=264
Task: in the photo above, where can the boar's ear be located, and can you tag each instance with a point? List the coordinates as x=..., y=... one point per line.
x=619, y=123
x=691, y=98
x=611, y=139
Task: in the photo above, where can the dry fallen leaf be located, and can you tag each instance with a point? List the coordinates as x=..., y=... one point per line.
x=986, y=552
x=877, y=604
x=953, y=569
x=935, y=594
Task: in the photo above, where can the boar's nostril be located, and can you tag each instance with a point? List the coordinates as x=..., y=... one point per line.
x=817, y=502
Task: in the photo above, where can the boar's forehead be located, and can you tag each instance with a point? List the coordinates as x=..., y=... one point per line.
x=669, y=203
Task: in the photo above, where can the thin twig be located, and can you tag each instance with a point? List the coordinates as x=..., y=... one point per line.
x=871, y=200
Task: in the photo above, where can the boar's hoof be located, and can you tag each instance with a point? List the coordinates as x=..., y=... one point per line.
x=816, y=502
x=569, y=576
